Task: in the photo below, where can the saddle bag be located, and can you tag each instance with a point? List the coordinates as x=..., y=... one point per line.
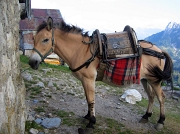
x=119, y=45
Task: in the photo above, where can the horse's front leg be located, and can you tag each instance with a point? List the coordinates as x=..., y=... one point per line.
x=89, y=88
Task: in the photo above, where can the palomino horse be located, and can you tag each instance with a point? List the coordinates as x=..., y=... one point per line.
x=68, y=42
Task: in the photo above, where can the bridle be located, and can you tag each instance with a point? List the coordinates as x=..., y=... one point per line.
x=49, y=52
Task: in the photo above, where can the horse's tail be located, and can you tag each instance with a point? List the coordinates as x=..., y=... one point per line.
x=168, y=68
x=166, y=73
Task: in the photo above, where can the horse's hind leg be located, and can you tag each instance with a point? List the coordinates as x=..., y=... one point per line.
x=151, y=95
x=161, y=99
x=89, y=87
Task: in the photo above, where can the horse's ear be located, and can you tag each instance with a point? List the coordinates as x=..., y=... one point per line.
x=49, y=23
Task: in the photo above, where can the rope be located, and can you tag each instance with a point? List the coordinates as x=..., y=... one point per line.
x=25, y=70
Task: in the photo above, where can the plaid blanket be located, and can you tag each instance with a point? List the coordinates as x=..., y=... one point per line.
x=122, y=72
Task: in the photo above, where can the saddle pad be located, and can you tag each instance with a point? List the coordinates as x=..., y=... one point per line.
x=122, y=72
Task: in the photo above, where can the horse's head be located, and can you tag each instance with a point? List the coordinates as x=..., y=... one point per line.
x=43, y=43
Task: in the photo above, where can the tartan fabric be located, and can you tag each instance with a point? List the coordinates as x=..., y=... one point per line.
x=123, y=71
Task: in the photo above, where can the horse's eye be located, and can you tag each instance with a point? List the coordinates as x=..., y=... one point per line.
x=45, y=40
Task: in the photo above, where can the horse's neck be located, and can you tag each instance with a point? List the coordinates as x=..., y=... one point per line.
x=71, y=49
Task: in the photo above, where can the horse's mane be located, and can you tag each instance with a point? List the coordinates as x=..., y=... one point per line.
x=64, y=27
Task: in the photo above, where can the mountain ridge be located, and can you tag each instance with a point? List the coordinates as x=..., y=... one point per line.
x=169, y=41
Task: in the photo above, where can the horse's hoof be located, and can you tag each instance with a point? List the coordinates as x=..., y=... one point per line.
x=142, y=120
x=159, y=126
x=81, y=131
x=88, y=117
x=90, y=125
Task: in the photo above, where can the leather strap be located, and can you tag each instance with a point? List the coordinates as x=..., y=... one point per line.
x=153, y=53
x=87, y=63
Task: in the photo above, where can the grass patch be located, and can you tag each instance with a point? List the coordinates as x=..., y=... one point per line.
x=176, y=88
x=39, y=109
x=63, y=113
x=109, y=126
x=24, y=61
x=69, y=93
x=32, y=97
x=102, y=126
x=35, y=88
x=118, y=91
x=142, y=103
x=68, y=118
x=27, y=85
x=56, y=86
x=32, y=124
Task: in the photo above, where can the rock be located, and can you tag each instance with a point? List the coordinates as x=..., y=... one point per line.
x=49, y=115
x=123, y=118
x=159, y=126
x=41, y=133
x=27, y=76
x=33, y=131
x=50, y=84
x=61, y=100
x=83, y=103
x=178, y=92
x=38, y=120
x=131, y=96
x=42, y=113
x=175, y=98
x=37, y=116
x=35, y=101
x=61, y=83
x=40, y=84
x=47, y=70
x=46, y=131
x=54, y=88
x=53, y=97
x=51, y=122
x=30, y=118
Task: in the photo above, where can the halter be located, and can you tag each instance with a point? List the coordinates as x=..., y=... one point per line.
x=49, y=52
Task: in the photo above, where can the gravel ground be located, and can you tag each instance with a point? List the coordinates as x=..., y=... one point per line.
x=61, y=91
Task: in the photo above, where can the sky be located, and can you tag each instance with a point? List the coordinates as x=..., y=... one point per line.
x=114, y=15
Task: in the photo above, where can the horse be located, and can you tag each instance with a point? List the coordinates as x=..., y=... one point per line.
x=72, y=44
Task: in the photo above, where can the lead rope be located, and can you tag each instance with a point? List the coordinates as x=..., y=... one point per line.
x=25, y=70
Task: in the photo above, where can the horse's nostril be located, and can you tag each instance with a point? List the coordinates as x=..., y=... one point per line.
x=36, y=62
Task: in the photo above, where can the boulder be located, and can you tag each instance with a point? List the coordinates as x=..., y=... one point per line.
x=131, y=96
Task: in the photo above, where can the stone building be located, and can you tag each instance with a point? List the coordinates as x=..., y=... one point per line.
x=12, y=89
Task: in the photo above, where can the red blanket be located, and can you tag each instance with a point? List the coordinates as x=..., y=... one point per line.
x=123, y=71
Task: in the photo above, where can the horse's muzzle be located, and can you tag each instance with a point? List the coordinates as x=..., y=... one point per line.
x=34, y=61
x=34, y=64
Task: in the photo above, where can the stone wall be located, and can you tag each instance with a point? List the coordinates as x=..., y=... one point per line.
x=12, y=89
